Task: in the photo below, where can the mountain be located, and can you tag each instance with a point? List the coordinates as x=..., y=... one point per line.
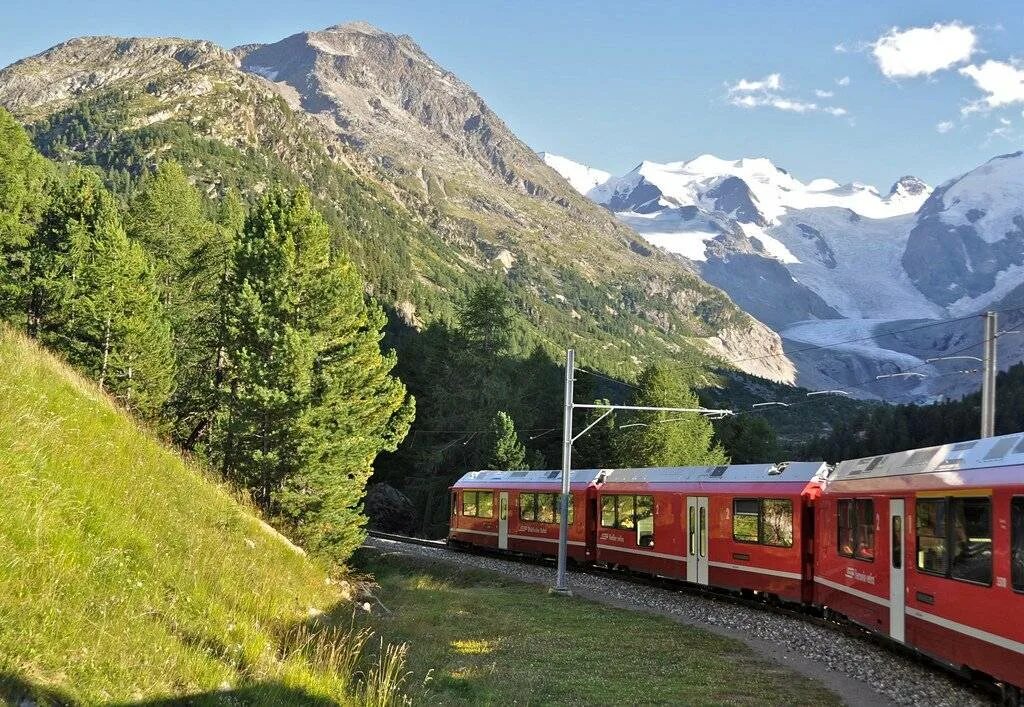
x=822, y=262
x=130, y=575
x=580, y=177
x=427, y=188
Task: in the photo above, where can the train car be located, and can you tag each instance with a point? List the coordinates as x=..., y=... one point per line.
x=740, y=527
x=518, y=511
x=927, y=546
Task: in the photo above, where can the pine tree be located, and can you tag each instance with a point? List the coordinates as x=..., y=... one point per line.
x=167, y=216
x=666, y=438
x=23, y=178
x=93, y=297
x=310, y=397
x=485, y=320
x=506, y=451
x=596, y=449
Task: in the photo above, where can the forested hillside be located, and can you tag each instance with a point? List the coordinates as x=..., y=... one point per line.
x=239, y=332
x=889, y=428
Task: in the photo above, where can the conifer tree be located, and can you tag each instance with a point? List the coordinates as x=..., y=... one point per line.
x=93, y=297
x=168, y=217
x=664, y=438
x=23, y=178
x=310, y=396
x=506, y=451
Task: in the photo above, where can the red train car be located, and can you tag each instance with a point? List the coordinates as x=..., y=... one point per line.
x=739, y=527
x=927, y=546
x=518, y=511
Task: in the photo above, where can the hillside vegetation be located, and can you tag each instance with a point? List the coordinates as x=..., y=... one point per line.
x=126, y=574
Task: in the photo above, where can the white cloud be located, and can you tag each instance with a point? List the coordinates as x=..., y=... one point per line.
x=1002, y=82
x=921, y=51
x=768, y=93
x=789, y=105
x=840, y=48
x=771, y=82
x=845, y=81
x=945, y=126
x=823, y=94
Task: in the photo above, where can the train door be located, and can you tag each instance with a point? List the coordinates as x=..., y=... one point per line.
x=897, y=569
x=697, y=539
x=503, y=520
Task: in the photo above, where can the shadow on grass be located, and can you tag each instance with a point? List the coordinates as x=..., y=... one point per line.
x=17, y=690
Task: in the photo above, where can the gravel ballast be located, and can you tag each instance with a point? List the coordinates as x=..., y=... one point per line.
x=878, y=674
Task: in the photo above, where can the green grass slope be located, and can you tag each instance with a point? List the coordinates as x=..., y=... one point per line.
x=126, y=574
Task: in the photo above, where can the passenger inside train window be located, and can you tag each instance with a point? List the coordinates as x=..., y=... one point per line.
x=1017, y=543
x=856, y=528
x=972, y=540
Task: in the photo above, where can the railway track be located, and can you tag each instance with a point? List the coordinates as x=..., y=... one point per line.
x=830, y=623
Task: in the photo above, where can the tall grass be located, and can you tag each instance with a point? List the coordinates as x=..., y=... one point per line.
x=127, y=574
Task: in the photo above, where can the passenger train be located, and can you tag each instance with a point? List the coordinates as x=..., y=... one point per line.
x=925, y=547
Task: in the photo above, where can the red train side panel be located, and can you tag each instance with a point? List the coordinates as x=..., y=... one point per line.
x=927, y=546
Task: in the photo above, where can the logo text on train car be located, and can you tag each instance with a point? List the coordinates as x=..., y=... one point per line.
x=852, y=573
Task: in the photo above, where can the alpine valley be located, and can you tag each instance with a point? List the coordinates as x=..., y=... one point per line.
x=822, y=262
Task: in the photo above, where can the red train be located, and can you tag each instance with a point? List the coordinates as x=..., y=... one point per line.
x=924, y=546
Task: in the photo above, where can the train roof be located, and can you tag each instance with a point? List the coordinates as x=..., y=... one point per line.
x=733, y=473
x=1007, y=450
x=801, y=472
x=493, y=477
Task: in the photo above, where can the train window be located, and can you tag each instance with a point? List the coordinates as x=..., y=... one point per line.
x=608, y=511
x=528, y=506
x=542, y=507
x=767, y=521
x=971, y=540
x=856, y=528
x=546, y=503
x=484, y=504
x=478, y=503
x=629, y=513
x=455, y=502
x=897, y=542
x=865, y=549
x=1017, y=543
x=745, y=519
x=777, y=522
x=954, y=538
x=645, y=521
x=693, y=530
x=932, y=547
x=625, y=516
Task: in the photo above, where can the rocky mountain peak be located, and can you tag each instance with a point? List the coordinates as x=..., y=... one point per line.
x=908, y=185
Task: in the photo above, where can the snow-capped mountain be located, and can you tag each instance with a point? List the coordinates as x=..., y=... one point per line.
x=821, y=261
x=581, y=177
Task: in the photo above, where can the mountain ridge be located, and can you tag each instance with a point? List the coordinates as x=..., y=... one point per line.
x=494, y=208
x=814, y=259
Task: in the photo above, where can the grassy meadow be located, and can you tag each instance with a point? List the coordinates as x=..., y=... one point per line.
x=490, y=640
x=127, y=575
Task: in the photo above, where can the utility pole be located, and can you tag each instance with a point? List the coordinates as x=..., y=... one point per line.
x=988, y=380
x=561, y=586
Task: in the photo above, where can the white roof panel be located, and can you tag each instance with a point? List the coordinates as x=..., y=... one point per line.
x=733, y=473
x=1007, y=450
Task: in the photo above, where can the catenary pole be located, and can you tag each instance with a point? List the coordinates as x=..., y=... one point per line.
x=561, y=586
x=988, y=380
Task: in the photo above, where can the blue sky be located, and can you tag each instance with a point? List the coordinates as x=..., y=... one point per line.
x=611, y=83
